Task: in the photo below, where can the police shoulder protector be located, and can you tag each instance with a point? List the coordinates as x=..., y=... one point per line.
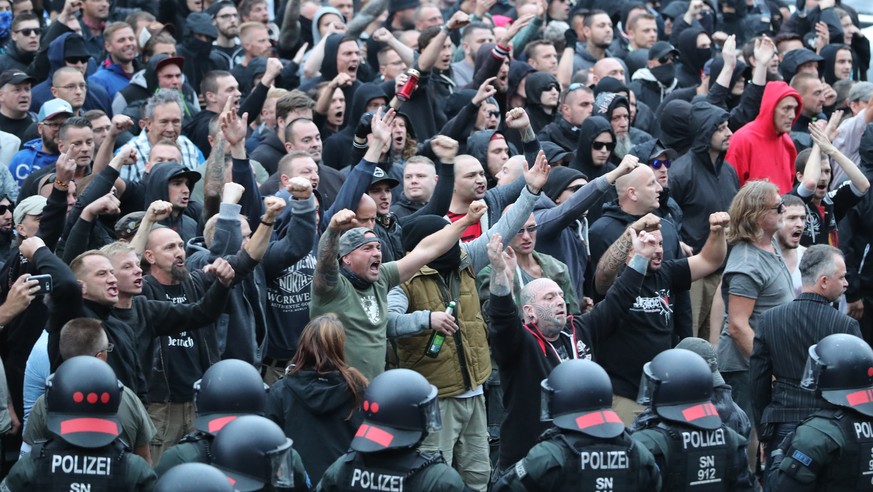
x=600, y=464
x=60, y=466
x=700, y=459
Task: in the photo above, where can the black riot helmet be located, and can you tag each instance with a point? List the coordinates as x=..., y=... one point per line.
x=677, y=383
x=840, y=368
x=82, y=399
x=254, y=452
x=400, y=408
x=228, y=389
x=193, y=476
x=577, y=396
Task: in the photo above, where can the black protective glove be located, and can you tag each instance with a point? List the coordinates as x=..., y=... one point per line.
x=570, y=38
x=364, y=127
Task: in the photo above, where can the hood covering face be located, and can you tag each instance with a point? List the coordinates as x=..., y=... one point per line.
x=829, y=53
x=588, y=131
x=316, y=35
x=536, y=84
x=692, y=57
x=705, y=118
x=610, y=84
x=419, y=228
x=674, y=125
x=518, y=70
x=365, y=93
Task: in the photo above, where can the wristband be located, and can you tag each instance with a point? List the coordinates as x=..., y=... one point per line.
x=60, y=184
x=268, y=224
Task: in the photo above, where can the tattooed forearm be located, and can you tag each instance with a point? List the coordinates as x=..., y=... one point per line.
x=327, y=268
x=611, y=262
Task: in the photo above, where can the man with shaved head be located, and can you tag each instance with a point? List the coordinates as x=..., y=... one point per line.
x=610, y=67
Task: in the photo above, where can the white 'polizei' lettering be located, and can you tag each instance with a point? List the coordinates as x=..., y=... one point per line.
x=863, y=430
x=703, y=439
x=604, y=460
x=82, y=465
x=368, y=480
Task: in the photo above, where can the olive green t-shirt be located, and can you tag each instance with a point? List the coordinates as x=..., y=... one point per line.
x=364, y=315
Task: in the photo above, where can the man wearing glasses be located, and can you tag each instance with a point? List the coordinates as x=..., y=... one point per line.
x=41, y=152
x=25, y=36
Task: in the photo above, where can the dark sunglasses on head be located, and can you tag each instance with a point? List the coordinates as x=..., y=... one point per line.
x=657, y=163
x=573, y=87
x=610, y=146
x=29, y=31
x=6, y=208
x=77, y=59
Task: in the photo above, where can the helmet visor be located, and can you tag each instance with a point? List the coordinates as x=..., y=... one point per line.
x=430, y=409
x=647, y=386
x=546, y=393
x=282, y=466
x=812, y=371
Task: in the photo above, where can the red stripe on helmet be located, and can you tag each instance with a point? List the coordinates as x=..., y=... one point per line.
x=101, y=426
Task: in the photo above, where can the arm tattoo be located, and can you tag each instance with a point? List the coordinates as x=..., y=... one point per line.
x=528, y=135
x=499, y=283
x=215, y=168
x=327, y=267
x=611, y=262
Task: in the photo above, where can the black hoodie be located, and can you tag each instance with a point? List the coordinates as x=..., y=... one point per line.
x=535, y=85
x=477, y=146
x=329, y=72
x=692, y=58
x=702, y=187
x=826, y=68
x=157, y=188
x=856, y=235
x=588, y=131
x=338, y=149
x=674, y=124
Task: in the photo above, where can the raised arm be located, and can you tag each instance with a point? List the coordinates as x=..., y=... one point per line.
x=431, y=52
x=711, y=256
x=257, y=245
x=290, y=32
x=120, y=124
x=406, y=53
x=326, y=276
x=856, y=176
x=438, y=243
x=158, y=210
x=617, y=254
x=294, y=246
x=565, y=65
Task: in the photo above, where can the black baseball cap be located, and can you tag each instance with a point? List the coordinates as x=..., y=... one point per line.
x=15, y=76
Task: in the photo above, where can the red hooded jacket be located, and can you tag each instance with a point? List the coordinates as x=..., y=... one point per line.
x=757, y=151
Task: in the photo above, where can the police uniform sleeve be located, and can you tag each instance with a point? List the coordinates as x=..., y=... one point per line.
x=744, y=481
x=20, y=476
x=649, y=474
x=328, y=481
x=811, y=449
x=656, y=444
x=140, y=475
x=541, y=466
x=181, y=453
x=441, y=477
x=134, y=416
x=301, y=478
x=36, y=429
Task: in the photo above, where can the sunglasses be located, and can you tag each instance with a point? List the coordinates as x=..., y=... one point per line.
x=493, y=114
x=575, y=86
x=6, y=208
x=780, y=207
x=610, y=146
x=28, y=31
x=529, y=229
x=657, y=163
x=574, y=188
x=77, y=59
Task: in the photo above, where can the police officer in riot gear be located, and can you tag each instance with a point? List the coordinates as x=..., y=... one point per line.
x=85, y=452
x=833, y=448
x=693, y=448
x=255, y=453
x=193, y=476
x=400, y=408
x=588, y=448
x=228, y=389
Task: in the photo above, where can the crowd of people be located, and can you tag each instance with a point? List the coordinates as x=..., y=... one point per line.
x=376, y=244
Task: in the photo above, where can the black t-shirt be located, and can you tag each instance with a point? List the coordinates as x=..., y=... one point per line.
x=16, y=127
x=180, y=366
x=646, y=330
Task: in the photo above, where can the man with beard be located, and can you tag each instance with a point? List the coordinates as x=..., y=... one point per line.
x=227, y=45
x=825, y=209
x=15, y=100
x=597, y=30
x=616, y=109
x=183, y=358
x=650, y=324
x=763, y=147
x=577, y=103
x=358, y=290
x=162, y=119
x=41, y=152
x=121, y=47
x=794, y=221
x=527, y=349
x=472, y=37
